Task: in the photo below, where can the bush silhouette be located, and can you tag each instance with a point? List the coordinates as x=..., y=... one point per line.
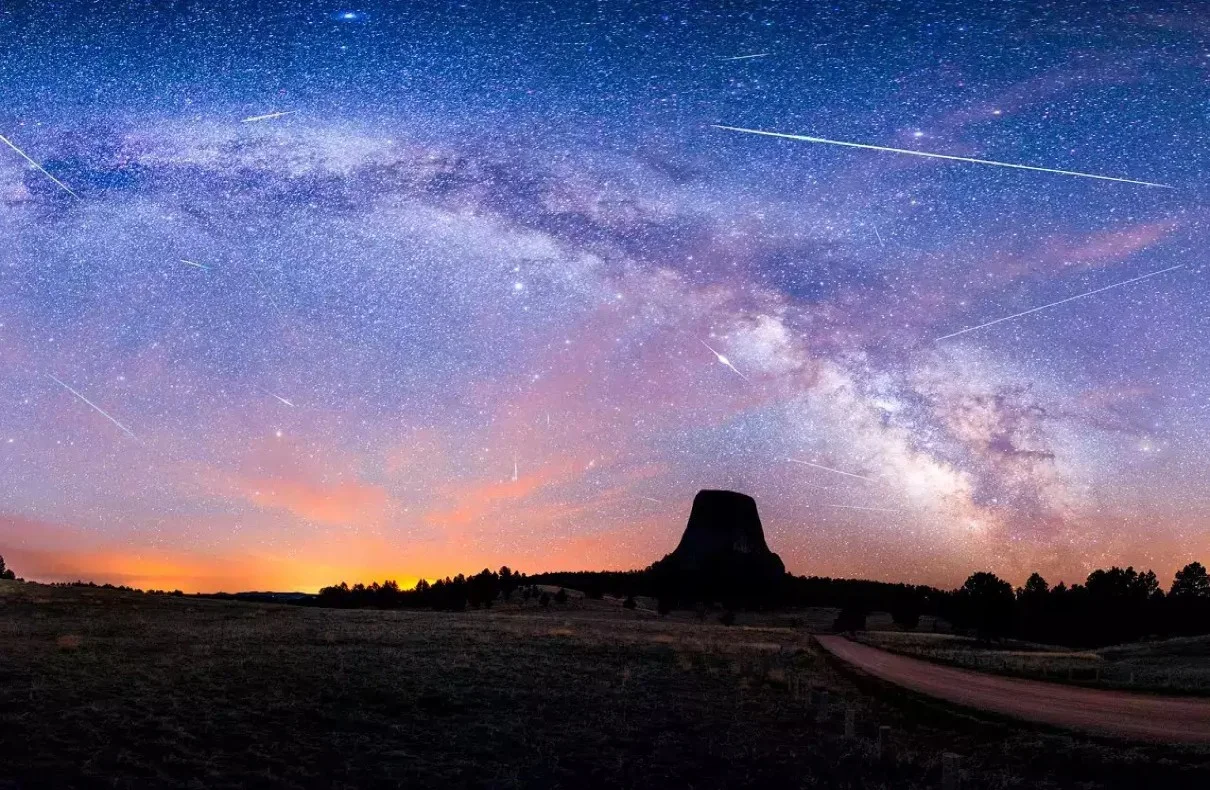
x=986, y=603
x=906, y=612
x=851, y=618
x=630, y=603
x=727, y=618
x=1191, y=581
x=561, y=596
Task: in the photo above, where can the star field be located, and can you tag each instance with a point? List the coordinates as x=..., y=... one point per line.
x=305, y=292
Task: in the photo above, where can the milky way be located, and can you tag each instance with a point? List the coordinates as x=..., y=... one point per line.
x=408, y=290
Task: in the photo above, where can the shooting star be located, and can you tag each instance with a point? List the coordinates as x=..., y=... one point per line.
x=726, y=362
x=268, y=116
x=39, y=167
x=268, y=293
x=651, y=499
x=1061, y=301
x=514, y=467
x=859, y=507
x=279, y=397
x=103, y=413
x=748, y=57
x=928, y=155
x=830, y=469
x=878, y=236
x=195, y=263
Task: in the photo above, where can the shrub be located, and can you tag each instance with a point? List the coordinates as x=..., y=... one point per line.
x=630, y=603
x=851, y=618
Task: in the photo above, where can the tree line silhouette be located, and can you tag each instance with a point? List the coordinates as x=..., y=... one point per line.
x=478, y=591
x=1111, y=606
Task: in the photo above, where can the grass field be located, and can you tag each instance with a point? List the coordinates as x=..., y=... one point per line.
x=109, y=689
x=1171, y=666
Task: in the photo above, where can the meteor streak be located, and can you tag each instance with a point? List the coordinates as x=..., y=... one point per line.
x=39, y=167
x=748, y=57
x=268, y=116
x=268, y=293
x=103, y=413
x=195, y=263
x=830, y=469
x=279, y=397
x=726, y=362
x=1061, y=301
x=859, y=507
x=966, y=159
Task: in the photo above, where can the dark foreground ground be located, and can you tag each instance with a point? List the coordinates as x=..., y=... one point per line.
x=1177, y=666
x=106, y=689
x=1164, y=718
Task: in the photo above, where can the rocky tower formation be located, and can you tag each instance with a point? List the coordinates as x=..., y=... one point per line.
x=723, y=554
x=721, y=523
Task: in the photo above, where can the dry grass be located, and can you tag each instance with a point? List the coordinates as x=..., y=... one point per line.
x=105, y=688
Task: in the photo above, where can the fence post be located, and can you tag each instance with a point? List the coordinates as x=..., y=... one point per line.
x=884, y=742
x=950, y=764
x=850, y=723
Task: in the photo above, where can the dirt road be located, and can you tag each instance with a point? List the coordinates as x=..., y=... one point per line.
x=1118, y=713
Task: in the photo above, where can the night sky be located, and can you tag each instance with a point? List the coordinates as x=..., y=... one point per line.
x=483, y=284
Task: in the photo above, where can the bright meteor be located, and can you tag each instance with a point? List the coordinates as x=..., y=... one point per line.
x=748, y=57
x=830, y=469
x=268, y=116
x=928, y=155
x=103, y=413
x=726, y=362
x=39, y=167
x=859, y=507
x=279, y=397
x=1061, y=301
